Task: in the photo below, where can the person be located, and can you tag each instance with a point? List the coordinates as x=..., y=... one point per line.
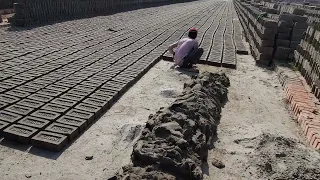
x=187, y=51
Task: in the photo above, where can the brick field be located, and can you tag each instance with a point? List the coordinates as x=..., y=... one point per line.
x=57, y=79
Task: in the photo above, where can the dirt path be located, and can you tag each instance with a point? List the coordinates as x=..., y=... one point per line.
x=255, y=110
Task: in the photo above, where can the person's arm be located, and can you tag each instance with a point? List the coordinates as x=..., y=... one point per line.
x=172, y=46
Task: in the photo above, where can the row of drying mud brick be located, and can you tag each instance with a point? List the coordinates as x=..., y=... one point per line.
x=39, y=12
x=106, y=84
x=270, y=38
x=307, y=58
x=50, y=118
x=302, y=105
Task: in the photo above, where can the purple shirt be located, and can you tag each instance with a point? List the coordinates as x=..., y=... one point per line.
x=184, y=47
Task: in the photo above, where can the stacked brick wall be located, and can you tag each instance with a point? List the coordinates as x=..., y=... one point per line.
x=307, y=58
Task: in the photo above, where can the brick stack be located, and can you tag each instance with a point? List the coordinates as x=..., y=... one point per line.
x=260, y=33
x=38, y=11
x=302, y=105
x=307, y=58
x=290, y=30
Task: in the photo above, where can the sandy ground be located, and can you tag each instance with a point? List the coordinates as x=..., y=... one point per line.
x=255, y=106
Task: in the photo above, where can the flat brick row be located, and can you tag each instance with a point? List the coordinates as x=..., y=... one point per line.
x=50, y=93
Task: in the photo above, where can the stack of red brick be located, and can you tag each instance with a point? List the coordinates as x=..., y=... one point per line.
x=303, y=107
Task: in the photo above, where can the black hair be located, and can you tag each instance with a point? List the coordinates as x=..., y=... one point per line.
x=192, y=34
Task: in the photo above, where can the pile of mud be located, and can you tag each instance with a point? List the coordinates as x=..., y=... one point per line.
x=176, y=139
x=277, y=157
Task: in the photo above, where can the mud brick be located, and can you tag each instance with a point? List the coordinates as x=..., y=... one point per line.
x=46, y=115
x=97, y=110
x=285, y=24
x=97, y=102
x=27, y=88
x=85, y=87
x=7, y=85
x=8, y=98
x=3, y=125
x=30, y=103
x=294, y=44
x=19, y=133
x=34, y=122
x=283, y=43
x=73, y=97
x=301, y=25
x=49, y=141
x=269, y=23
x=58, y=88
x=300, y=19
x=80, y=92
x=298, y=32
x=18, y=93
x=9, y=116
x=19, y=109
x=41, y=97
x=66, y=84
x=296, y=37
x=102, y=97
x=56, y=108
x=73, y=121
x=49, y=92
x=284, y=30
x=81, y=114
x=283, y=36
x=64, y=102
x=286, y=17
x=67, y=130
x=3, y=105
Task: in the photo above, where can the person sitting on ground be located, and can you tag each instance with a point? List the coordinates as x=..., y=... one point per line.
x=187, y=51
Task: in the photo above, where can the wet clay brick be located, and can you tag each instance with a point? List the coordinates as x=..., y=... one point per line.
x=58, y=88
x=56, y=108
x=102, y=97
x=8, y=98
x=9, y=117
x=49, y=92
x=90, y=108
x=3, y=125
x=81, y=114
x=73, y=97
x=49, y=141
x=19, y=109
x=26, y=88
x=3, y=105
x=17, y=93
x=41, y=97
x=73, y=121
x=67, y=130
x=96, y=102
x=19, y=133
x=34, y=122
x=30, y=103
x=64, y=102
x=46, y=115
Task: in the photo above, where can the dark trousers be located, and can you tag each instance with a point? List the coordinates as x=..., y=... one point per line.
x=192, y=58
